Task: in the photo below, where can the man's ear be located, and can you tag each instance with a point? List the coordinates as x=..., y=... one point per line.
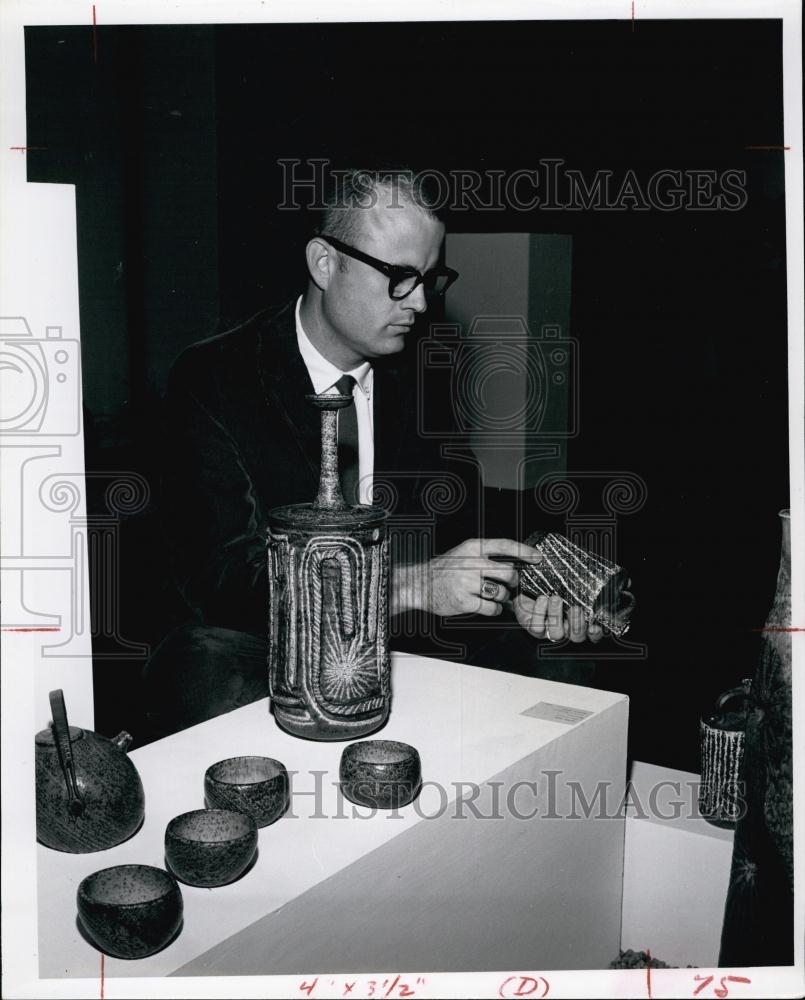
x=321, y=262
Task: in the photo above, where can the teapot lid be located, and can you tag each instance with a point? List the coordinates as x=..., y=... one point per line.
x=45, y=737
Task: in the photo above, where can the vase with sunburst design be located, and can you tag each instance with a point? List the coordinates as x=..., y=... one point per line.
x=329, y=669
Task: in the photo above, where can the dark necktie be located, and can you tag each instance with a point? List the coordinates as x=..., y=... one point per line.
x=348, y=443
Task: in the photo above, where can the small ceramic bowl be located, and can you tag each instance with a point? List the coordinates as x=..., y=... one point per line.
x=257, y=786
x=130, y=911
x=210, y=847
x=380, y=773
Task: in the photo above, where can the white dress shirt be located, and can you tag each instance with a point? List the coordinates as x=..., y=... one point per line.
x=324, y=375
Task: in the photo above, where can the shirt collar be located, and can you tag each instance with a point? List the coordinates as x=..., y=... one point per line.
x=323, y=373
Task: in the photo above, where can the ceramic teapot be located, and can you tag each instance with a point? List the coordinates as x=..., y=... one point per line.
x=88, y=793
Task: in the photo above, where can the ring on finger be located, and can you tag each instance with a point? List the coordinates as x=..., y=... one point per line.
x=548, y=635
x=490, y=590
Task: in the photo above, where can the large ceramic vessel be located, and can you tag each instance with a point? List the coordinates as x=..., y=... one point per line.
x=758, y=924
x=328, y=573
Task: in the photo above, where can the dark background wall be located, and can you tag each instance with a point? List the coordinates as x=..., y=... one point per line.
x=173, y=136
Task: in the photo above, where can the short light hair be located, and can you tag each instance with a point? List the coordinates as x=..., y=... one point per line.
x=351, y=192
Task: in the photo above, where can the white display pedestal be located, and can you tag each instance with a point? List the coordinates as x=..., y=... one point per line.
x=440, y=885
x=676, y=870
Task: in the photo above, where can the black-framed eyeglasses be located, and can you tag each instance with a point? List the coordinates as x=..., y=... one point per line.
x=402, y=278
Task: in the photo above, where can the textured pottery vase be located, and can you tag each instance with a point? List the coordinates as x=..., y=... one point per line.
x=328, y=575
x=89, y=796
x=721, y=751
x=130, y=911
x=599, y=587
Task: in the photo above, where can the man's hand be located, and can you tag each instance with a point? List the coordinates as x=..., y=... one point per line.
x=543, y=619
x=465, y=580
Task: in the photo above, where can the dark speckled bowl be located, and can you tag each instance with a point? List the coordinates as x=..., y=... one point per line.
x=209, y=847
x=257, y=786
x=380, y=773
x=130, y=911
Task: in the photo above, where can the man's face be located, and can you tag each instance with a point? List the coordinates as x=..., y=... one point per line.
x=356, y=307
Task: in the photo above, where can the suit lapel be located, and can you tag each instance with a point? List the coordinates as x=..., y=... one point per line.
x=286, y=382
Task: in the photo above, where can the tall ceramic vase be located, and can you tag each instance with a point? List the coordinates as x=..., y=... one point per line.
x=328, y=572
x=759, y=917
x=772, y=685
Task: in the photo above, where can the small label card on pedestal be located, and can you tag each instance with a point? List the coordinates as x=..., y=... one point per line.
x=557, y=713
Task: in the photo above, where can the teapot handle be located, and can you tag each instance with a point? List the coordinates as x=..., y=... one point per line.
x=742, y=691
x=61, y=737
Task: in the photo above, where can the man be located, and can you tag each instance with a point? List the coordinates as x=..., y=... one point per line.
x=241, y=439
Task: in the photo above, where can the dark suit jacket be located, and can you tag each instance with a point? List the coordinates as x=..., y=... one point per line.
x=240, y=439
